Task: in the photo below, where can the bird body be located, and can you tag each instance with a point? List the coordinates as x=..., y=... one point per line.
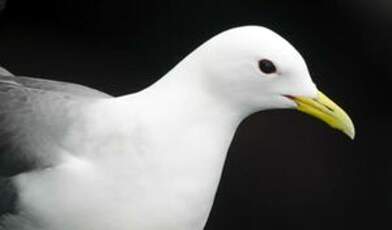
x=79, y=159
x=161, y=169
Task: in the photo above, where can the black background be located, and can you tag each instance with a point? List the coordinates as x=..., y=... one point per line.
x=284, y=169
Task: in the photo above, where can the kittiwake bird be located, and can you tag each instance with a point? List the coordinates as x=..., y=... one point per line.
x=75, y=158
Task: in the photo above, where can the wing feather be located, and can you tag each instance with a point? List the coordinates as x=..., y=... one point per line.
x=34, y=115
x=4, y=72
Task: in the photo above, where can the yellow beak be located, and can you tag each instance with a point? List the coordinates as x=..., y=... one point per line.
x=326, y=110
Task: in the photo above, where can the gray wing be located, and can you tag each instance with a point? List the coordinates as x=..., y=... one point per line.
x=50, y=85
x=4, y=72
x=31, y=112
x=34, y=115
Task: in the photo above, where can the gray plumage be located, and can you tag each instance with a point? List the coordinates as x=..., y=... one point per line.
x=4, y=72
x=30, y=111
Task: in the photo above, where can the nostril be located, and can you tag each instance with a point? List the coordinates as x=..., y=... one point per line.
x=329, y=108
x=326, y=106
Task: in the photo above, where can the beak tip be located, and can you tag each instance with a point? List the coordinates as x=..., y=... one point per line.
x=350, y=131
x=351, y=135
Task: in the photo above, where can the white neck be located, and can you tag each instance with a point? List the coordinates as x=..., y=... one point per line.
x=191, y=132
x=178, y=134
x=197, y=127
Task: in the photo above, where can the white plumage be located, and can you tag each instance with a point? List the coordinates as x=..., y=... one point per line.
x=82, y=160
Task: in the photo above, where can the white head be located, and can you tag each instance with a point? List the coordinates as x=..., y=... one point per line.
x=255, y=69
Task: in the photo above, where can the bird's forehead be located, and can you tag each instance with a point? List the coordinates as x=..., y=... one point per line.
x=259, y=41
x=256, y=35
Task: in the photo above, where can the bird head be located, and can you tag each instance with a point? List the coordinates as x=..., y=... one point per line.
x=255, y=69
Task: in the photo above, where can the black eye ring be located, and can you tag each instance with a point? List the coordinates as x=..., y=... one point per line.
x=266, y=66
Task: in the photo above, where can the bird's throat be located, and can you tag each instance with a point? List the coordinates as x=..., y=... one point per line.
x=182, y=143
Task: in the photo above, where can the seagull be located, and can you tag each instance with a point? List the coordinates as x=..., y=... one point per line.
x=75, y=158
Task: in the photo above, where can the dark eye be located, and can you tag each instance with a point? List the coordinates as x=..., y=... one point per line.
x=266, y=66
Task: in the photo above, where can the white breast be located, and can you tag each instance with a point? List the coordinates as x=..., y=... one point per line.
x=140, y=177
